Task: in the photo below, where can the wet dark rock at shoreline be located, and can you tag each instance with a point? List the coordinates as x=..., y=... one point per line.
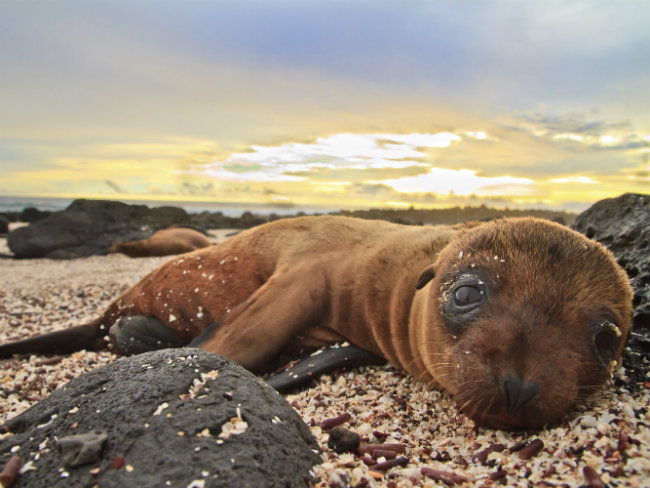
x=89, y=227
x=28, y=214
x=217, y=220
x=4, y=224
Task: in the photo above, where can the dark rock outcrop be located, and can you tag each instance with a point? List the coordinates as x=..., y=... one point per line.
x=89, y=227
x=175, y=417
x=217, y=220
x=451, y=216
x=623, y=225
x=4, y=224
x=31, y=215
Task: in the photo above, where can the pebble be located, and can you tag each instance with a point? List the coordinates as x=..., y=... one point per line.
x=343, y=440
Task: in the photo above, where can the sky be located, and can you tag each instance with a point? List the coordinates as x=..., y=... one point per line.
x=434, y=103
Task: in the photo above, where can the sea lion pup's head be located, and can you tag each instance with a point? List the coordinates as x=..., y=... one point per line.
x=535, y=316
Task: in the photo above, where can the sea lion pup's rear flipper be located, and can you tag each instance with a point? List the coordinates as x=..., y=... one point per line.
x=321, y=362
x=63, y=341
x=136, y=334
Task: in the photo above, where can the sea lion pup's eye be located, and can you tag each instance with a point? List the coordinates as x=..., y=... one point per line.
x=465, y=296
x=468, y=297
x=606, y=338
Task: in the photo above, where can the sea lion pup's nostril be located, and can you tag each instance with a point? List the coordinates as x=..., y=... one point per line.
x=517, y=391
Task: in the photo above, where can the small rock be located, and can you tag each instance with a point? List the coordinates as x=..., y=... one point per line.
x=77, y=450
x=343, y=440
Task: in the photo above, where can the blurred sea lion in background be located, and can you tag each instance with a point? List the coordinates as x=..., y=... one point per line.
x=165, y=242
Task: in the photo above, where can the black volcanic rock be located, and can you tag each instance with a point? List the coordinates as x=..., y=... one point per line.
x=164, y=418
x=623, y=225
x=4, y=224
x=217, y=220
x=31, y=215
x=89, y=227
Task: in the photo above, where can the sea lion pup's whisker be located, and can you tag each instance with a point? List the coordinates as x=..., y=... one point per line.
x=487, y=409
x=408, y=364
x=514, y=306
x=445, y=376
x=420, y=376
x=583, y=396
x=445, y=364
x=588, y=387
x=439, y=377
x=462, y=407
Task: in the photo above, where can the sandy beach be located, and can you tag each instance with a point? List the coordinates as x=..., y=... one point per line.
x=609, y=436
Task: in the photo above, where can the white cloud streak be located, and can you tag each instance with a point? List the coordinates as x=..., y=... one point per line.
x=463, y=182
x=338, y=151
x=293, y=162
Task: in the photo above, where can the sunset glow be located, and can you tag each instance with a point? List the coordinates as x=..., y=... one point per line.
x=362, y=104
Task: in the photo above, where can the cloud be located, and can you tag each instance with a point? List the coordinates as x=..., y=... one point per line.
x=583, y=180
x=356, y=174
x=377, y=192
x=437, y=168
x=334, y=156
x=461, y=182
x=159, y=191
x=196, y=189
x=370, y=150
x=374, y=190
x=579, y=130
x=574, y=123
x=114, y=186
x=480, y=136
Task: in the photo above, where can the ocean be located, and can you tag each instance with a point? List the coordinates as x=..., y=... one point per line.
x=17, y=204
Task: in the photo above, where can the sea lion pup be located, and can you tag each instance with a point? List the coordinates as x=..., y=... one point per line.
x=517, y=318
x=174, y=240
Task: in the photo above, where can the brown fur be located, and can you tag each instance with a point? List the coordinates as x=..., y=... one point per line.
x=175, y=240
x=308, y=282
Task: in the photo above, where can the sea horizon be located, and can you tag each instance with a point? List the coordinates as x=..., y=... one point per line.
x=230, y=209
x=235, y=209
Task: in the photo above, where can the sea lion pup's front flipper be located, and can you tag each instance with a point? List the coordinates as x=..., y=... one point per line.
x=64, y=341
x=257, y=330
x=321, y=362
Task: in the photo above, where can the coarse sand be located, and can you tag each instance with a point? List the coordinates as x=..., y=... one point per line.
x=427, y=441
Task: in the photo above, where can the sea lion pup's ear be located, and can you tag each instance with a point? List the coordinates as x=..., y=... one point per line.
x=427, y=275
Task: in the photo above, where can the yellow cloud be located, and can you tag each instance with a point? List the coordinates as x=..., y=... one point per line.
x=574, y=179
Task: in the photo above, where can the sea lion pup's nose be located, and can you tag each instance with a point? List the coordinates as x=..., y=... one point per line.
x=517, y=391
